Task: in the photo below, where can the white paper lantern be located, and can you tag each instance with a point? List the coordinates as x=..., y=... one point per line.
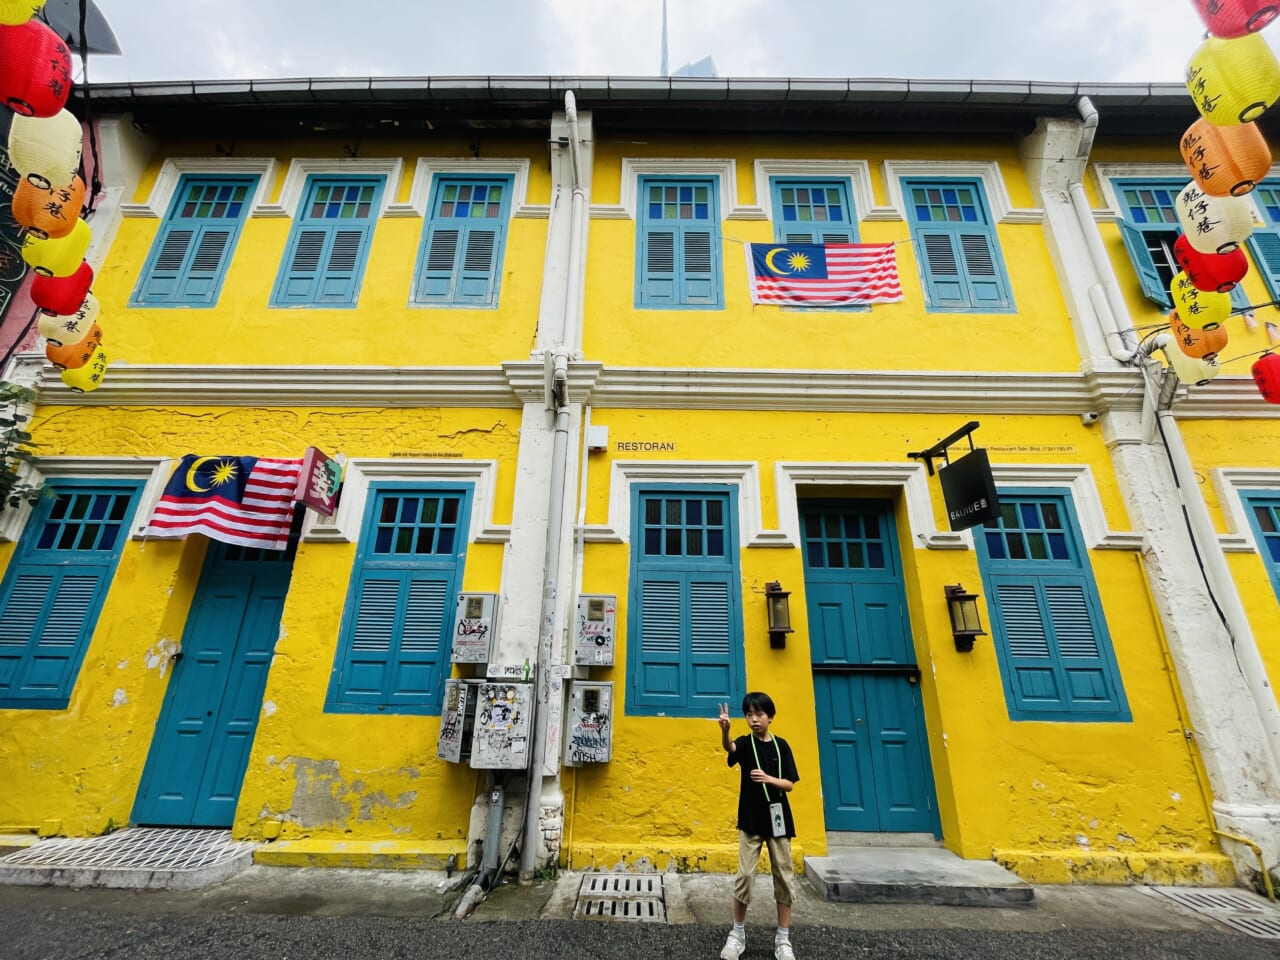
x=46, y=150
x=66, y=330
x=1213, y=224
x=1190, y=370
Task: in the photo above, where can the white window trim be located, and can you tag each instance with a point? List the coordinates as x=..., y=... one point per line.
x=172, y=170
x=1078, y=478
x=344, y=525
x=857, y=173
x=428, y=168
x=633, y=168
x=1108, y=173
x=1002, y=208
x=154, y=470
x=295, y=181
x=1231, y=483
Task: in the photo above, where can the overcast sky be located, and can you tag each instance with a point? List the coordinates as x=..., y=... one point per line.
x=1075, y=40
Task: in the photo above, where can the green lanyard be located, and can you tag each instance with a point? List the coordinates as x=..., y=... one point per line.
x=752, y=737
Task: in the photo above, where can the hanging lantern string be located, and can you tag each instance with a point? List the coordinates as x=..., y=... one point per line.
x=95, y=182
x=760, y=242
x=1249, y=308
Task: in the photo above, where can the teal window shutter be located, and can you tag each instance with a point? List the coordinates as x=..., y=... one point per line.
x=678, y=255
x=1154, y=288
x=189, y=258
x=1264, y=244
x=1263, y=508
x=394, y=645
x=460, y=261
x=685, y=619
x=329, y=245
x=956, y=247
x=1047, y=623
x=53, y=591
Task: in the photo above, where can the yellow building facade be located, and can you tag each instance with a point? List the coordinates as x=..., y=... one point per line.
x=523, y=322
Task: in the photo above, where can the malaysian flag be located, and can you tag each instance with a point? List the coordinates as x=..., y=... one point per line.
x=823, y=275
x=244, y=500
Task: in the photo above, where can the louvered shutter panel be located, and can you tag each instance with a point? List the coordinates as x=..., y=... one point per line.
x=659, y=674
x=436, y=280
x=379, y=613
x=986, y=284
x=943, y=279
x=1086, y=681
x=44, y=626
x=710, y=639
x=1036, y=677
x=1265, y=247
x=417, y=667
x=342, y=265
x=21, y=613
x=1145, y=267
x=479, y=266
x=659, y=267
x=161, y=279
x=699, y=282
x=302, y=273
x=204, y=273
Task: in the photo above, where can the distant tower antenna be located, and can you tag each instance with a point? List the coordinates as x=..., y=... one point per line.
x=664, y=38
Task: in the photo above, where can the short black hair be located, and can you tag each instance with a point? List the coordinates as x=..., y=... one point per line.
x=757, y=702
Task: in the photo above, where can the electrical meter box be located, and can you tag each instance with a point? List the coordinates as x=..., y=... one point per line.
x=475, y=624
x=594, y=632
x=500, y=738
x=457, y=718
x=589, y=738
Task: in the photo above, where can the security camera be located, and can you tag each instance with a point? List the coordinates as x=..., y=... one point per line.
x=1089, y=418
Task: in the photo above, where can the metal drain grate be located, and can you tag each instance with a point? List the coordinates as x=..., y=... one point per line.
x=621, y=896
x=1242, y=911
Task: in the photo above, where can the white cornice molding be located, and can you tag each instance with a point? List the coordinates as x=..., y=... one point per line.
x=1108, y=173
x=427, y=168
x=344, y=525
x=1078, y=478
x=1002, y=208
x=633, y=168
x=295, y=181
x=624, y=474
x=1230, y=482
x=910, y=477
x=856, y=172
x=1224, y=398
x=171, y=171
x=154, y=471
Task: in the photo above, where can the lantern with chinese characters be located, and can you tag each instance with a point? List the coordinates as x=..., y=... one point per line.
x=61, y=257
x=62, y=295
x=1235, y=18
x=1213, y=224
x=46, y=150
x=1190, y=370
x=35, y=69
x=1233, y=81
x=48, y=213
x=1201, y=344
x=1215, y=272
x=1199, y=309
x=1266, y=374
x=88, y=377
x=71, y=356
x=19, y=11
x=1225, y=161
x=71, y=328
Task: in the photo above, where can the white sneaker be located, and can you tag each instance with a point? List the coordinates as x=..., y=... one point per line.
x=782, y=950
x=733, y=947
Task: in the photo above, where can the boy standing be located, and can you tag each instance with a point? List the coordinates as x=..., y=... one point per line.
x=764, y=819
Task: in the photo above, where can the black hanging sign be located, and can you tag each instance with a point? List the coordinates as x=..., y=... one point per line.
x=969, y=491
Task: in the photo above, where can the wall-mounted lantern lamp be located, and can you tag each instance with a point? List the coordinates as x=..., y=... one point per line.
x=778, y=604
x=965, y=624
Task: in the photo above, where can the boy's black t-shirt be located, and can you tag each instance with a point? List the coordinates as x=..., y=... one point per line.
x=753, y=806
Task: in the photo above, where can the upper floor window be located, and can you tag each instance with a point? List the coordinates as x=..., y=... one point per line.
x=329, y=244
x=395, y=640
x=460, y=261
x=193, y=248
x=1047, y=622
x=1264, y=516
x=1149, y=228
x=956, y=246
x=678, y=244
x=55, y=586
x=813, y=211
x=1264, y=242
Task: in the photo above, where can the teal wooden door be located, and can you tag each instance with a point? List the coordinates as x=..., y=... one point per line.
x=210, y=713
x=873, y=749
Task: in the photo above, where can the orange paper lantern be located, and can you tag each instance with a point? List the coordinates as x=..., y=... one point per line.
x=48, y=214
x=1199, y=309
x=35, y=69
x=62, y=295
x=1225, y=161
x=88, y=377
x=1201, y=344
x=1233, y=81
x=75, y=355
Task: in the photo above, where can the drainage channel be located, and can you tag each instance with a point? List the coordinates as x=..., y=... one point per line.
x=621, y=896
x=1241, y=911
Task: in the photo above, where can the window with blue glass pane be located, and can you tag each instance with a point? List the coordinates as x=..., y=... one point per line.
x=1264, y=516
x=961, y=266
x=329, y=244
x=464, y=236
x=684, y=527
x=678, y=244
x=844, y=538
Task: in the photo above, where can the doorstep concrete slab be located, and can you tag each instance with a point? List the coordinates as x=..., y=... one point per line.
x=915, y=875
